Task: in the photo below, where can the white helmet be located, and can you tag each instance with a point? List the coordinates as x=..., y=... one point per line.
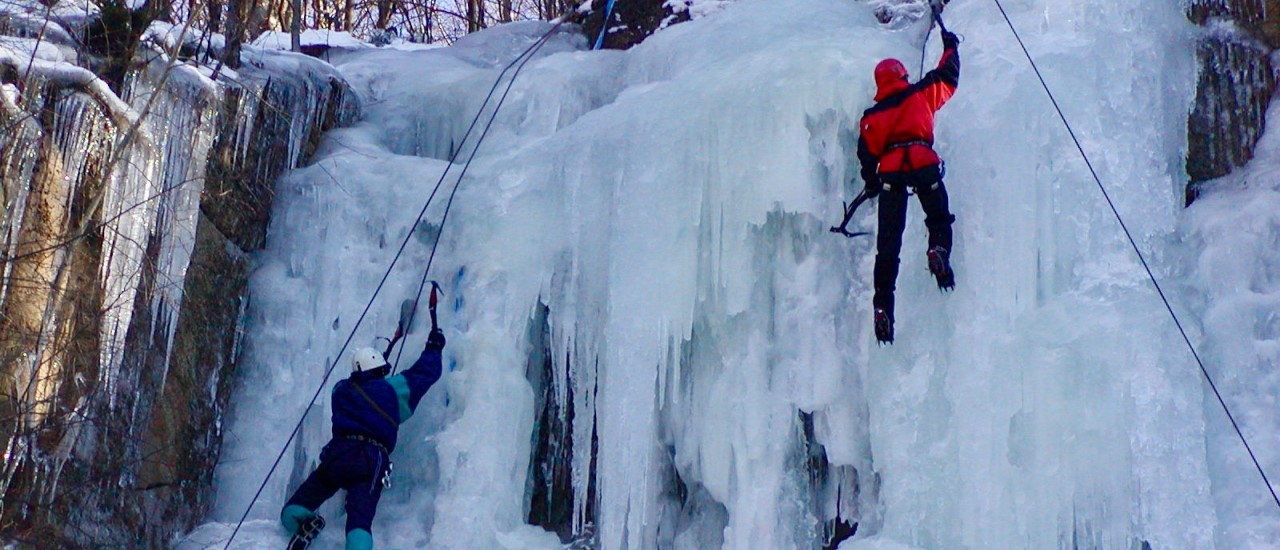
x=365, y=359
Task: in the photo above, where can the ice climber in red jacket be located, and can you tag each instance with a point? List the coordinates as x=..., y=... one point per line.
x=897, y=156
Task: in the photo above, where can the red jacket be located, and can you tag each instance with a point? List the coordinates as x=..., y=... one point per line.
x=897, y=132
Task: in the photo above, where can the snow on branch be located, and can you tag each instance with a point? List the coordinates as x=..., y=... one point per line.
x=27, y=25
x=66, y=73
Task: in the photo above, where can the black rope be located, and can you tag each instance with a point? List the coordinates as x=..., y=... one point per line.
x=521, y=59
x=1143, y=259
x=449, y=204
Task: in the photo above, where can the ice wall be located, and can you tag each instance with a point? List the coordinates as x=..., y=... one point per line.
x=643, y=235
x=1231, y=240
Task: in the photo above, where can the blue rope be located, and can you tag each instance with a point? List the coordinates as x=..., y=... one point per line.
x=604, y=27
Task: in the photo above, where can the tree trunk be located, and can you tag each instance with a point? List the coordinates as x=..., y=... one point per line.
x=385, y=10
x=237, y=15
x=475, y=15
x=504, y=11
x=213, y=9
x=295, y=28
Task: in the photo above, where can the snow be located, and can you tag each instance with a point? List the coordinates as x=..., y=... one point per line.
x=277, y=40
x=669, y=204
x=36, y=15
x=874, y=543
x=31, y=47
x=170, y=37
x=46, y=63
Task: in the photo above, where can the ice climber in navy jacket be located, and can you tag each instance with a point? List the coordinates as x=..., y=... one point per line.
x=368, y=408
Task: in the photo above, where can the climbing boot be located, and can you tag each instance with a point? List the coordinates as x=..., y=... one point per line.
x=940, y=267
x=308, y=530
x=884, y=326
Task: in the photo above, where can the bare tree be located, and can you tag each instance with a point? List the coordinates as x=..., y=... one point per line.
x=475, y=15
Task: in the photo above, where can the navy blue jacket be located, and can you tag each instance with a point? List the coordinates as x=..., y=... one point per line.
x=371, y=404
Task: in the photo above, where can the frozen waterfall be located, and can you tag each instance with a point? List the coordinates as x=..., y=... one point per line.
x=651, y=225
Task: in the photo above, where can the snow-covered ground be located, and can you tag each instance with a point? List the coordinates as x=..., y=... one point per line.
x=670, y=205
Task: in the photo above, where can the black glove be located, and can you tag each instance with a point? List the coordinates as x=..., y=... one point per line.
x=937, y=5
x=950, y=40
x=436, y=340
x=872, y=188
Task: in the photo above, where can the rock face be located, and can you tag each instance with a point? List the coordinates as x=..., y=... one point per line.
x=1237, y=82
x=127, y=218
x=630, y=22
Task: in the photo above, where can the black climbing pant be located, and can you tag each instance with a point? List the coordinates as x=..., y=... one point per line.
x=927, y=184
x=354, y=465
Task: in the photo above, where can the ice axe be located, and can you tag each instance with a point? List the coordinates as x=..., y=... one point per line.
x=431, y=304
x=848, y=215
x=935, y=8
x=402, y=328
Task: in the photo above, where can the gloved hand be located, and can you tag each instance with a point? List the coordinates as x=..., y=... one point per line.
x=937, y=5
x=950, y=40
x=436, y=340
x=872, y=188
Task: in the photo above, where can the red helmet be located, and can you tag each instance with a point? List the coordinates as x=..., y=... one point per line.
x=889, y=71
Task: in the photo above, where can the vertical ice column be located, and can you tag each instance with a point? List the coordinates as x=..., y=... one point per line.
x=179, y=120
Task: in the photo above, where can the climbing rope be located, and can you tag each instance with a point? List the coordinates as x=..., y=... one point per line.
x=452, y=193
x=520, y=60
x=1204, y=371
x=925, y=47
x=604, y=25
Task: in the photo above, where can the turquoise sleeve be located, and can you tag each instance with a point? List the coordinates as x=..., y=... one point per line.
x=401, y=386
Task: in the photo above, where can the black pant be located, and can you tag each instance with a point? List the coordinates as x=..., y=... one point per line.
x=927, y=185
x=356, y=466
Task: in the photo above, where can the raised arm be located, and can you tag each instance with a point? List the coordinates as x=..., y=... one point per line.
x=940, y=84
x=414, y=382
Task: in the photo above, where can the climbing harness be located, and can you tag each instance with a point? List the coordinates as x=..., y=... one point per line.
x=381, y=472
x=518, y=63
x=1141, y=258
x=369, y=440
x=906, y=164
x=902, y=144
